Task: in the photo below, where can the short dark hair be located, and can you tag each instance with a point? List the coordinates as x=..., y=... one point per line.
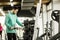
x=14, y=7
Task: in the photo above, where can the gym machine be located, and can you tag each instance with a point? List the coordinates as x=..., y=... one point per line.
x=35, y=37
x=55, y=16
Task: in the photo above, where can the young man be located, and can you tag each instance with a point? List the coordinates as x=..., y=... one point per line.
x=10, y=22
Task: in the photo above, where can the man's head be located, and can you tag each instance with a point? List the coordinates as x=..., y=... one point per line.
x=14, y=10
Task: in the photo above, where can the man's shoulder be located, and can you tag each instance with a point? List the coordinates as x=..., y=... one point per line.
x=7, y=14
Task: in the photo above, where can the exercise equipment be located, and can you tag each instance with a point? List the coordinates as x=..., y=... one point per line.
x=55, y=15
x=55, y=37
x=29, y=29
x=38, y=38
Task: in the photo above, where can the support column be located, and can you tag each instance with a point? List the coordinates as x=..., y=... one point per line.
x=44, y=15
x=37, y=20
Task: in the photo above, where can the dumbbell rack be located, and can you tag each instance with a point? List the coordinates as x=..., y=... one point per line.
x=29, y=29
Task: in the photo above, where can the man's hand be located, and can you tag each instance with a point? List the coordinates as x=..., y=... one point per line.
x=17, y=28
x=12, y=28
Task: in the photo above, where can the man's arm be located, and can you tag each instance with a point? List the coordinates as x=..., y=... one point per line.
x=18, y=22
x=6, y=21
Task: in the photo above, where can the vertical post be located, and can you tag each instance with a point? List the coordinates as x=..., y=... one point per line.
x=47, y=25
x=44, y=18
x=51, y=22
x=59, y=23
x=22, y=2
x=37, y=18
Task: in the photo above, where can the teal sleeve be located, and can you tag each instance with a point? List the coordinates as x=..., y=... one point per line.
x=6, y=21
x=18, y=22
